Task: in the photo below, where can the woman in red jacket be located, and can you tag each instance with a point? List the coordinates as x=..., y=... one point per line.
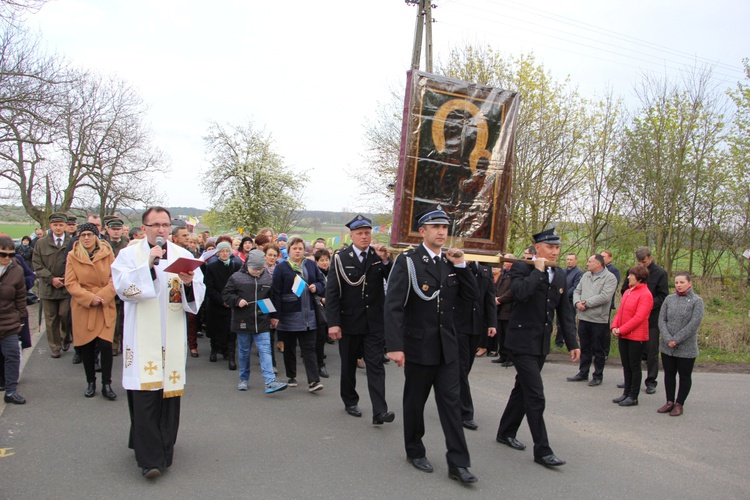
x=630, y=326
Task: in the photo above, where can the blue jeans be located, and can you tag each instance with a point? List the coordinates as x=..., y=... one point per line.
x=12, y=354
x=263, y=343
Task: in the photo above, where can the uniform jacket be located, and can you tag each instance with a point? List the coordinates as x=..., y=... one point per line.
x=632, y=316
x=243, y=285
x=536, y=302
x=49, y=262
x=12, y=300
x=572, y=278
x=356, y=309
x=85, y=279
x=475, y=317
x=424, y=330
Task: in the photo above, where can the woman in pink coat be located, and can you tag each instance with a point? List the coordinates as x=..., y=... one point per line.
x=630, y=326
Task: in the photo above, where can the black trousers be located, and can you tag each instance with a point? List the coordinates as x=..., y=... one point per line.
x=592, y=337
x=419, y=381
x=321, y=335
x=672, y=366
x=630, y=354
x=502, y=327
x=154, y=422
x=351, y=347
x=467, y=348
x=652, y=362
x=307, y=346
x=527, y=399
x=218, y=327
x=88, y=356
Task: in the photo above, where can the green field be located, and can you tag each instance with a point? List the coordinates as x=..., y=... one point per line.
x=17, y=230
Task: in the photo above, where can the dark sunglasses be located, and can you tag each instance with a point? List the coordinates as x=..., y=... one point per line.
x=7, y=254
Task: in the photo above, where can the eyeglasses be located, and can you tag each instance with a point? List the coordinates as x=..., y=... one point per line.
x=86, y=235
x=5, y=255
x=166, y=225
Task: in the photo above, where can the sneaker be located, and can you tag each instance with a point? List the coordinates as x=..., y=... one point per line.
x=242, y=386
x=275, y=386
x=292, y=382
x=314, y=387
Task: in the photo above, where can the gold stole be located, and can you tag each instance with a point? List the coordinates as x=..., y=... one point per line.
x=162, y=367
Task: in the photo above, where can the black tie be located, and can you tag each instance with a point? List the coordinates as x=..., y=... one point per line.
x=436, y=259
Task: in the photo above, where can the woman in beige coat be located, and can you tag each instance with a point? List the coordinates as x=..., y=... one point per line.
x=88, y=278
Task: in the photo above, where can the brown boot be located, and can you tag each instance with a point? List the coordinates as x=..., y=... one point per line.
x=666, y=408
x=676, y=411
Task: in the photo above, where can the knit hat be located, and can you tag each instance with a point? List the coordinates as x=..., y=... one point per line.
x=88, y=226
x=223, y=245
x=282, y=237
x=256, y=259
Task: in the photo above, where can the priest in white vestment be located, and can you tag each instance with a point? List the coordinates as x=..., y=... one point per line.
x=155, y=338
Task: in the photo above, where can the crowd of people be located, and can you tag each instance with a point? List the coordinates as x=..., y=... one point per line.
x=105, y=288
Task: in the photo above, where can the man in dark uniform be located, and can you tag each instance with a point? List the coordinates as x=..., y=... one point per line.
x=474, y=318
x=354, y=310
x=538, y=292
x=423, y=289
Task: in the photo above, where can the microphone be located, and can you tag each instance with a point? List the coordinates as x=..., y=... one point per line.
x=159, y=243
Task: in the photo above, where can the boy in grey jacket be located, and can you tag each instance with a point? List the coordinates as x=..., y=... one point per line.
x=245, y=292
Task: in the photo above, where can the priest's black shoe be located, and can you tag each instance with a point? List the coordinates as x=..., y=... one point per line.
x=354, y=411
x=14, y=398
x=462, y=474
x=470, y=424
x=90, y=390
x=150, y=472
x=108, y=393
x=512, y=442
x=382, y=418
x=549, y=460
x=420, y=463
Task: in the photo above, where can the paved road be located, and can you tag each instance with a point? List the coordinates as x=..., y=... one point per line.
x=299, y=445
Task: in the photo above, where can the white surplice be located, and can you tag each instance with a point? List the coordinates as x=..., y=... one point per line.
x=151, y=321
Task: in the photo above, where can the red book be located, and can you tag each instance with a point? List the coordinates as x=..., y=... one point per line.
x=183, y=265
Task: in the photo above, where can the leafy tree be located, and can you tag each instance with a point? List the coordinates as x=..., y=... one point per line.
x=248, y=183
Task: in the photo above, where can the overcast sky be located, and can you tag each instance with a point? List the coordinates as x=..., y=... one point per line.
x=312, y=73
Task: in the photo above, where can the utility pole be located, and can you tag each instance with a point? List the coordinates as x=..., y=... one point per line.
x=422, y=29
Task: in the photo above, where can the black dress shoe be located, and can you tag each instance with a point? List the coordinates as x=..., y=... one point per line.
x=420, y=463
x=108, y=393
x=650, y=389
x=382, y=418
x=323, y=372
x=628, y=402
x=621, y=398
x=212, y=357
x=594, y=382
x=14, y=398
x=194, y=354
x=512, y=442
x=507, y=364
x=498, y=360
x=354, y=411
x=470, y=424
x=150, y=472
x=232, y=365
x=549, y=460
x=621, y=386
x=577, y=378
x=462, y=474
x=90, y=390
x=77, y=359
x=66, y=346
